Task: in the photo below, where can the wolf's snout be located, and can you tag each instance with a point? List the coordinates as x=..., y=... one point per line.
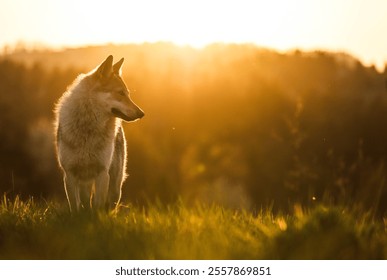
x=140, y=113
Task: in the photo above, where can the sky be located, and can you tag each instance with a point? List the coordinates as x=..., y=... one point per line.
x=358, y=27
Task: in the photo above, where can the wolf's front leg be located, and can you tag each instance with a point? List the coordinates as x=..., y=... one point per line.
x=72, y=192
x=101, y=190
x=114, y=195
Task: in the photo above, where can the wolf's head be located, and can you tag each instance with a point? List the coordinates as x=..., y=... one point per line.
x=112, y=93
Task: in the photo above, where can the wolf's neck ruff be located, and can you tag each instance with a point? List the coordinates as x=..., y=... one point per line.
x=84, y=121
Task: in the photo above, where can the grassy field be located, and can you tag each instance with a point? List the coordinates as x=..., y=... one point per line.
x=31, y=230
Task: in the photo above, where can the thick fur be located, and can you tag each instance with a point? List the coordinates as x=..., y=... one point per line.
x=90, y=140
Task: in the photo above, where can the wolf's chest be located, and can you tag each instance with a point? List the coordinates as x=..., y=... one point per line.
x=86, y=144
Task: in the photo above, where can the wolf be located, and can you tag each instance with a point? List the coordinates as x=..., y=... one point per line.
x=90, y=140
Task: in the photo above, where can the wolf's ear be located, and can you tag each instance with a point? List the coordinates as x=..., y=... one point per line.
x=105, y=69
x=117, y=67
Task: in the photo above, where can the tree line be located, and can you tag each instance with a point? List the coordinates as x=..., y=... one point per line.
x=230, y=124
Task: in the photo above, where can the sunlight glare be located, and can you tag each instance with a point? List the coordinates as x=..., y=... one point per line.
x=334, y=25
x=195, y=23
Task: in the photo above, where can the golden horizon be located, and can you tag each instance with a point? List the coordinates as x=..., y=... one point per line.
x=329, y=25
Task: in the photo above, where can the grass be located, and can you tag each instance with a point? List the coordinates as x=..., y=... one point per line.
x=32, y=230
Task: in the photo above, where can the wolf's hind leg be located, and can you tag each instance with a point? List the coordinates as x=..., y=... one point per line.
x=72, y=192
